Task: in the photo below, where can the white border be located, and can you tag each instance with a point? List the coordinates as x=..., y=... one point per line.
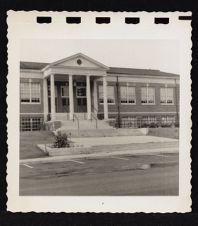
x=22, y=25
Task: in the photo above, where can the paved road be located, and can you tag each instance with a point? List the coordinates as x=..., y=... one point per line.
x=119, y=175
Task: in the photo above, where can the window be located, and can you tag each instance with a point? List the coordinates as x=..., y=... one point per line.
x=110, y=95
x=168, y=120
x=166, y=95
x=30, y=124
x=30, y=92
x=64, y=91
x=147, y=95
x=101, y=98
x=127, y=95
x=81, y=92
x=147, y=120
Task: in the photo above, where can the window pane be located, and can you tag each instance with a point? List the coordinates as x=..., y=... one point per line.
x=25, y=92
x=65, y=91
x=131, y=95
x=35, y=92
x=25, y=124
x=169, y=95
x=36, y=124
x=110, y=94
x=143, y=95
x=123, y=94
x=151, y=95
x=162, y=95
x=100, y=89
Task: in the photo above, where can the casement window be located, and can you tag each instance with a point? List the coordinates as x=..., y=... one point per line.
x=148, y=95
x=30, y=92
x=30, y=124
x=167, y=120
x=110, y=95
x=166, y=95
x=127, y=95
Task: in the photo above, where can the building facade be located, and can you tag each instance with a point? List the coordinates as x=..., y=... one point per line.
x=79, y=85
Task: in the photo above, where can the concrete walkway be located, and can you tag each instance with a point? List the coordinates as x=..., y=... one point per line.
x=95, y=141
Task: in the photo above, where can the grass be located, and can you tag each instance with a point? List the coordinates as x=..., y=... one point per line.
x=164, y=132
x=29, y=140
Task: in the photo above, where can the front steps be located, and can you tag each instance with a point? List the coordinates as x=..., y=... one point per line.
x=104, y=132
x=87, y=128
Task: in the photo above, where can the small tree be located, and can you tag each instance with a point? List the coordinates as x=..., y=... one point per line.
x=61, y=140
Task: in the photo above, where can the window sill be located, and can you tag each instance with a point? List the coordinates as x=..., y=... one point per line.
x=30, y=103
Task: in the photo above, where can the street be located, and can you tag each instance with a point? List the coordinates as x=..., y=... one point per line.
x=148, y=174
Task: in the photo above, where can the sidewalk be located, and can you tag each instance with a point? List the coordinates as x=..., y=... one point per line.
x=101, y=154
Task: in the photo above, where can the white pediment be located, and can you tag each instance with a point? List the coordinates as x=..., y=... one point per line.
x=80, y=60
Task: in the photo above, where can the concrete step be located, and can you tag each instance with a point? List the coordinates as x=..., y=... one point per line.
x=103, y=132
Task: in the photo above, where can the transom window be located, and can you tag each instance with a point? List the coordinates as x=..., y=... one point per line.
x=166, y=95
x=110, y=95
x=30, y=92
x=148, y=95
x=127, y=95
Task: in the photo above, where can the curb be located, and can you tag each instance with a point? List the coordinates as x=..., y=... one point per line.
x=101, y=154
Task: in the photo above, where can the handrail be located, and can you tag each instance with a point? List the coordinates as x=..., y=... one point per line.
x=93, y=116
x=77, y=119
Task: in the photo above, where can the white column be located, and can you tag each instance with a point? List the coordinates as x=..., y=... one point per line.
x=45, y=99
x=95, y=97
x=88, y=97
x=71, y=98
x=105, y=97
x=52, y=89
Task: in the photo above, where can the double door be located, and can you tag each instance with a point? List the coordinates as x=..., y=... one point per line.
x=80, y=99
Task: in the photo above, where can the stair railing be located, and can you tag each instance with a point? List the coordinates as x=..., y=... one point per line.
x=77, y=119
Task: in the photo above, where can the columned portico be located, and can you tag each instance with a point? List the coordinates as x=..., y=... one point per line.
x=72, y=78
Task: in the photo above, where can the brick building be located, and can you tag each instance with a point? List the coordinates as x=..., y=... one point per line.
x=80, y=86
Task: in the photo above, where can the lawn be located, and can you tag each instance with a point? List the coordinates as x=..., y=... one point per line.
x=29, y=140
x=164, y=132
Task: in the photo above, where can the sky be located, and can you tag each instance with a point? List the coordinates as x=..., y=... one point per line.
x=161, y=55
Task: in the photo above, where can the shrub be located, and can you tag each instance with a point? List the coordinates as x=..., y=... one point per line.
x=61, y=140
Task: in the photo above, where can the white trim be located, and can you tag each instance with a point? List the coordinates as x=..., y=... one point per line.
x=140, y=112
x=32, y=113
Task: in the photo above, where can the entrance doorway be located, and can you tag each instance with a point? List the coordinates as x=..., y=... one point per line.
x=81, y=98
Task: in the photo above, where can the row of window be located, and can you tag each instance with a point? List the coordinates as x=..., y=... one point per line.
x=30, y=92
x=35, y=123
x=128, y=95
x=31, y=124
